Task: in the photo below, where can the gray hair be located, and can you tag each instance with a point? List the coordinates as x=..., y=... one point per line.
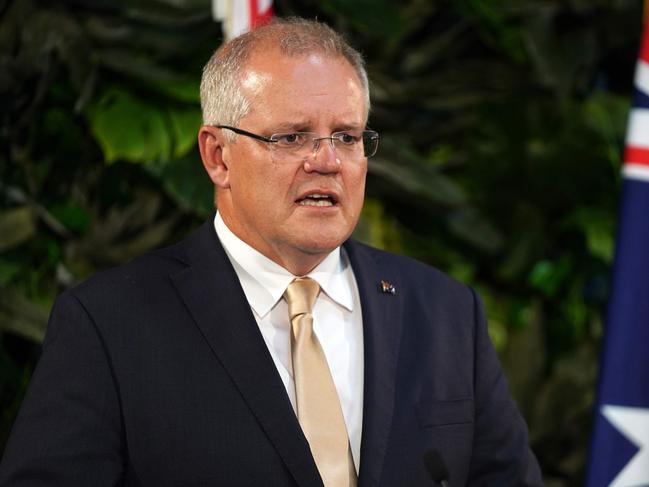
x=222, y=100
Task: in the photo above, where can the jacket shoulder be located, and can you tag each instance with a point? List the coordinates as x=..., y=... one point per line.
x=410, y=272
x=148, y=272
x=141, y=271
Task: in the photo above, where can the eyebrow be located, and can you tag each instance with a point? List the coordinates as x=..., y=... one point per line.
x=300, y=127
x=290, y=126
x=349, y=126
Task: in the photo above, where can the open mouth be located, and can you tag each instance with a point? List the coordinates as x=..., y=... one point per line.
x=317, y=199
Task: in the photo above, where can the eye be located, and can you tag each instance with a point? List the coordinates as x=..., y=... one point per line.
x=295, y=139
x=347, y=138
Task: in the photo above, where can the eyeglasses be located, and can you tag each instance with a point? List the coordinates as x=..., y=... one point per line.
x=349, y=145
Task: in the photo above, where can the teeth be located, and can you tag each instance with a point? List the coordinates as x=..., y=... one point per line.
x=317, y=199
x=312, y=202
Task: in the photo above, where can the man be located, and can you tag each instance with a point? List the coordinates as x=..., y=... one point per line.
x=267, y=348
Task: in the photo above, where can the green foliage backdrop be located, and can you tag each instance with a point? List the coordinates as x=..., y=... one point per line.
x=502, y=124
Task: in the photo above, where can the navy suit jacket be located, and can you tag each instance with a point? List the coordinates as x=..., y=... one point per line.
x=155, y=374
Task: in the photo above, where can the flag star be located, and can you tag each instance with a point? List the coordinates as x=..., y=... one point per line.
x=634, y=424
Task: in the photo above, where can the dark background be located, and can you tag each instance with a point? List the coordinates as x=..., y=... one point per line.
x=502, y=126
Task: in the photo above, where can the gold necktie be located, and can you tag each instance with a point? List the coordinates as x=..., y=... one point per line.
x=318, y=406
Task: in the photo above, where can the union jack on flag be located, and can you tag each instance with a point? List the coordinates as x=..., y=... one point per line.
x=636, y=156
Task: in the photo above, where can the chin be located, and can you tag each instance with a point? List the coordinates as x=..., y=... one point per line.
x=322, y=244
x=322, y=236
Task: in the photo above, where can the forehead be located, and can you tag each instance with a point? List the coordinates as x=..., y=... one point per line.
x=303, y=86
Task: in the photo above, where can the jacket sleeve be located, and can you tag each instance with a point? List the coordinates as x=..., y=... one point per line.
x=69, y=429
x=501, y=453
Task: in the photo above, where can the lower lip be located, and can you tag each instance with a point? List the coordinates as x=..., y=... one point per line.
x=331, y=208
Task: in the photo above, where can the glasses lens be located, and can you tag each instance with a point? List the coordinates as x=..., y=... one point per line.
x=291, y=147
x=292, y=142
x=370, y=142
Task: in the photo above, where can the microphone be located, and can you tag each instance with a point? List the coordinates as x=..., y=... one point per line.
x=436, y=467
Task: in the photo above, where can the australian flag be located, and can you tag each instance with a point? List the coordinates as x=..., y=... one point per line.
x=619, y=453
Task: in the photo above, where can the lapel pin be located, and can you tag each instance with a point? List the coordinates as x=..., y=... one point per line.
x=388, y=288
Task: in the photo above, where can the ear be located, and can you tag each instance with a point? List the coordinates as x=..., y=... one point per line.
x=211, y=146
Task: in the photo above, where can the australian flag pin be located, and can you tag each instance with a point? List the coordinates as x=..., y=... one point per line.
x=388, y=288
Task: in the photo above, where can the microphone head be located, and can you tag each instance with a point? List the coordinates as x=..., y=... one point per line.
x=435, y=465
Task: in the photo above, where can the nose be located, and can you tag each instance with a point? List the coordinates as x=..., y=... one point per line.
x=325, y=160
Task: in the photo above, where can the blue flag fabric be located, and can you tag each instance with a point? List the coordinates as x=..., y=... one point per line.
x=619, y=455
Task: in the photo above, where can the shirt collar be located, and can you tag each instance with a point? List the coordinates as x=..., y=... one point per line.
x=264, y=281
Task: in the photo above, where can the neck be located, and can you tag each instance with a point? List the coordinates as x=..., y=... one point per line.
x=299, y=266
x=296, y=261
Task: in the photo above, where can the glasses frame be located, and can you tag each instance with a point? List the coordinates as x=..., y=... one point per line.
x=316, y=140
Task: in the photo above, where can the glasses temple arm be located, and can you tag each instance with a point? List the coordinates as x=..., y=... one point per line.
x=245, y=133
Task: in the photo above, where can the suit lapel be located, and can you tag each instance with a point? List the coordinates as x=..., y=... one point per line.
x=382, y=325
x=211, y=291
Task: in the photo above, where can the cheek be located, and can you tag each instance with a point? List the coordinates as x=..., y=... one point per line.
x=356, y=187
x=263, y=189
x=251, y=177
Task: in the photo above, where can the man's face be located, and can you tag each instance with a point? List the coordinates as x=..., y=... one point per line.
x=263, y=201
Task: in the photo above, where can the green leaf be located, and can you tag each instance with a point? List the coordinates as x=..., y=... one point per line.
x=16, y=226
x=8, y=271
x=181, y=90
x=128, y=128
x=548, y=276
x=21, y=316
x=185, y=180
x=598, y=227
x=607, y=114
x=184, y=125
x=72, y=216
x=378, y=229
x=496, y=318
x=462, y=270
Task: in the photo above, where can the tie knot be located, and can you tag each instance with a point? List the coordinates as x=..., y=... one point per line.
x=301, y=295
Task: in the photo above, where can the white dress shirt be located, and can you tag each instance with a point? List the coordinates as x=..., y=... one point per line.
x=337, y=320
